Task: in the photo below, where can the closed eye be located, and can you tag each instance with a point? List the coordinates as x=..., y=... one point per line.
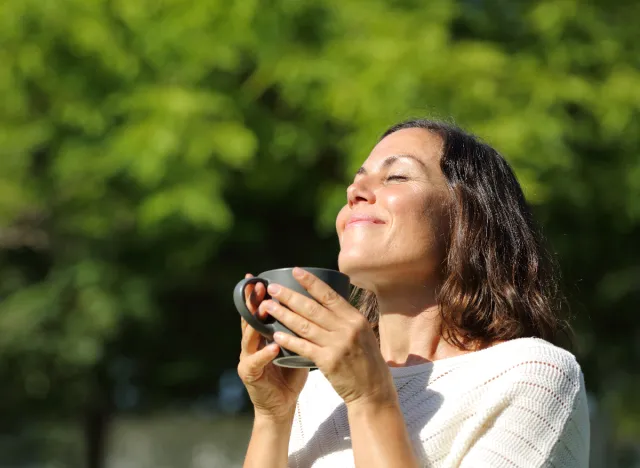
x=397, y=177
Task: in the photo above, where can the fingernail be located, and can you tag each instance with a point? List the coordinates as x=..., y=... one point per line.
x=279, y=336
x=273, y=289
x=270, y=306
x=298, y=273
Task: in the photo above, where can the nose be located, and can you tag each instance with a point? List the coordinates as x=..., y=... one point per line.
x=360, y=192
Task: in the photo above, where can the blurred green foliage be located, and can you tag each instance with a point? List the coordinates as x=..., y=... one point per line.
x=151, y=152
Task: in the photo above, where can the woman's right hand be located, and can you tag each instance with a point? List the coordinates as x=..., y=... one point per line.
x=273, y=389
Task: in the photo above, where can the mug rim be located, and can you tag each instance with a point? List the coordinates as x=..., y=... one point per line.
x=304, y=268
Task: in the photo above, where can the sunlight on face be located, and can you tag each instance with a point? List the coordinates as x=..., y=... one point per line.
x=394, y=225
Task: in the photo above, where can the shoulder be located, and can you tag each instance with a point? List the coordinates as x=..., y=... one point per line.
x=529, y=398
x=537, y=357
x=536, y=368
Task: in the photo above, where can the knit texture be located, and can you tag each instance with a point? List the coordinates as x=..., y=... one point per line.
x=521, y=403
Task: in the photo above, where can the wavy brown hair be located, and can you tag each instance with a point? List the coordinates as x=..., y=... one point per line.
x=498, y=280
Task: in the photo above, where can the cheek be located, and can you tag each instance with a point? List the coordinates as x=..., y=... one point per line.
x=341, y=219
x=407, y=209
x=418, y=215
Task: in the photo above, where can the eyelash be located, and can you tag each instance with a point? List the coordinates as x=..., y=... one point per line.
x=397, y=177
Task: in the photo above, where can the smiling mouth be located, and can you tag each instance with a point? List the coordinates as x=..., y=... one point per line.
x=363, y=222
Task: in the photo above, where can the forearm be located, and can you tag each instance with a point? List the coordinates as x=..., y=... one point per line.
x=379, y=436
x=269, y=444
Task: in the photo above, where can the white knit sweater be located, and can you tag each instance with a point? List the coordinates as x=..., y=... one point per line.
x=521, y=403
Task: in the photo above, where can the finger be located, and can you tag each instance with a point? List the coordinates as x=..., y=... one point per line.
x=252, y=367
x=304, y=306
x=298, y=345
x=254, y=294
x=248, y=293
x=252, y=341
x=257, y=297
x=321, y=291
x=296, y=323
x=243, y=325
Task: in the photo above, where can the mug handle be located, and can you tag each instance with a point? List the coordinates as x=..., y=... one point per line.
x=265, y=329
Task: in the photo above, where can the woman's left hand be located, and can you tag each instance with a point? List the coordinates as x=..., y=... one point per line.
x=335, y=336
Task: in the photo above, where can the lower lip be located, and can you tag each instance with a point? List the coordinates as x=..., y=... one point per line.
x=362, y=223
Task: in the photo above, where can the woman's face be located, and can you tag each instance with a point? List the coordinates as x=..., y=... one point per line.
x=395, y=223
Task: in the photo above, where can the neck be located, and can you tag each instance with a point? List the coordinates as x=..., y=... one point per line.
x=410, y=326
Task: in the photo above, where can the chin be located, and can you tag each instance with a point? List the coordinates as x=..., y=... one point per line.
x=374, y=271
x=361, y=269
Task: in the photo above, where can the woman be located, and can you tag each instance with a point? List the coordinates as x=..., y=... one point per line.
x=447, y=360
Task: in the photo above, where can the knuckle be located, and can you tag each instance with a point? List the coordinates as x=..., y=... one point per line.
x=301, y=346
x=304, y=328
x=360, y=323
x=330, y=362
x=352, y=335
x=315, y=310
x=249, y=372
x=287, y=297
x=284, y=294
x=334, y=355
x=330, y=297
x=305, y=348
x=288, y=302
x=342, y=350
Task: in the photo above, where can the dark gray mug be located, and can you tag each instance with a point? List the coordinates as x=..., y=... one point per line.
x=339, y=282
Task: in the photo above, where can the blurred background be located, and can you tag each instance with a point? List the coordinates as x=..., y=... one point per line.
x=154, y=151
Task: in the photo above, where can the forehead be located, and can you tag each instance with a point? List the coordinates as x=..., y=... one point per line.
x=418, y=142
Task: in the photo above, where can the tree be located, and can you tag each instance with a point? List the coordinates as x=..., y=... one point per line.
x=151, y=152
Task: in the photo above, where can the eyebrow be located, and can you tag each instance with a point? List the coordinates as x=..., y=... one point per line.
x=390, y=160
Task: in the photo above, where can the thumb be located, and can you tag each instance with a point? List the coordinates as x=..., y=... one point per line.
x=253, y=366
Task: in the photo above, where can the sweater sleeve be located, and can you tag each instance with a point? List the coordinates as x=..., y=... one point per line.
x=536, y=416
